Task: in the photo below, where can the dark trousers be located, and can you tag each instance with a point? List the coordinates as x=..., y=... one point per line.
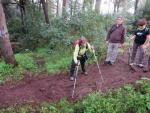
x=141, y=55
x=82, y=60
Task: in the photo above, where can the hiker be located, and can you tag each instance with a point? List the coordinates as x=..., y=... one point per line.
x=79, y=56
x=114, y=40
x=140, y=37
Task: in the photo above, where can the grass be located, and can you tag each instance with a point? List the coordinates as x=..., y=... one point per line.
x=55, y=61
x=25, y=63
x=60, y=65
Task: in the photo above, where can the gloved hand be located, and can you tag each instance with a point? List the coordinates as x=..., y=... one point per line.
x=77, y=63
x=93, y=49
x=107, y=42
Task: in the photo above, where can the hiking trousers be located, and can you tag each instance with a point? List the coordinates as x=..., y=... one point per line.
x=141, y=53
x=82, y=60
x=112, y=52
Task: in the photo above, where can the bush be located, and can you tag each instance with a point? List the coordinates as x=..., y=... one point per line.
x=35, y=34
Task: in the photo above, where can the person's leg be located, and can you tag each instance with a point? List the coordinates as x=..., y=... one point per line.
x=114, y=52
x=109, y=52
x=134, y=51
x=82, y=62
x=148, y=66
x=141, y=56
x=72, y=69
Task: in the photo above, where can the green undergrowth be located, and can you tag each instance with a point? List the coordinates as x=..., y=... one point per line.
x=24, y=61
x=127, y=99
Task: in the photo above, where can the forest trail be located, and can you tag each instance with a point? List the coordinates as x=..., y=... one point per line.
x=53, y=88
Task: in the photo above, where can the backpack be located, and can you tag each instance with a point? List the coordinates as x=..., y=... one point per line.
x=75, y=42
x=114, y=28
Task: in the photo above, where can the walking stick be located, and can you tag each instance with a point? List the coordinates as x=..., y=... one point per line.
x=129, y=57
x=75, y=80
x=98, y=67
x=129, y=52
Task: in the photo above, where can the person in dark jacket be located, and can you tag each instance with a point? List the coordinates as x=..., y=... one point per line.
x=141, y=36
x=114, y=40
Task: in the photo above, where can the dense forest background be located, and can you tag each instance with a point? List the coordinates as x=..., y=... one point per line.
x=53, y=23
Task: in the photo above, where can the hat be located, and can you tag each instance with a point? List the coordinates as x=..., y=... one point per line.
x=83, y=39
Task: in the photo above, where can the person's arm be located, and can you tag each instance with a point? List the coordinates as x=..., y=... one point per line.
x=148, y=37
x=75, y=54
x=108, y=35
x=147, y=41
x=90, y=47
x=123, y=36
x=132, y=37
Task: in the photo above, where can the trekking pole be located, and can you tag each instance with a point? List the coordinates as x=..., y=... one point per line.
x=98, y=67
x=75, y=80
x=129, y=52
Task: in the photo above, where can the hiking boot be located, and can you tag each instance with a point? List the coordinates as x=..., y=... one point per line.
x=110, y=63
x=131, y=64
x=106, y=62
x=71, y=78
x=85, y=73
x=146, y=69
x=140, y=65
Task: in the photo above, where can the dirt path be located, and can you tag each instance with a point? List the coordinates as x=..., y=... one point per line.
x=53, y=88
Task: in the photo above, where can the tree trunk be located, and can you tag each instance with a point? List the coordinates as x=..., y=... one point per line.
x=64, y=7
x=97, y=5
x=5, y=44
x=75, y=7
x=141, y=4
x=117, y=5
x=22, y=9
x=45, y=9
x=79, y=6
x=71, y=7
x=57, y=7
x=135, y=6
x=40, y=5
x=83, y=6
